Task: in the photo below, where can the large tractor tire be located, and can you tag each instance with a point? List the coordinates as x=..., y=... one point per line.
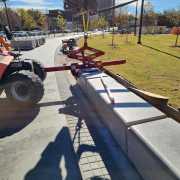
x=39, y=70
x=26, y=65
x=24, y=88
x=1, y=90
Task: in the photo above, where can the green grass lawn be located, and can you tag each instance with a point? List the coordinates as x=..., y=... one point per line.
x=153, y=66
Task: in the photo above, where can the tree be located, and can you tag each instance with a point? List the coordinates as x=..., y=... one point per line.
x=28, y=23
x=150, y=18
x=102, y=23
x=176, y=31
x=6, y=11
x=61, y=22
x=14, y=18
x=169, y=18
x=122, y=20
x=38, y=17
x=94, y=23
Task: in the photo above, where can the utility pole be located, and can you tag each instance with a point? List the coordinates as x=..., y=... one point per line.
x=136, y=18
x=141, y=22
x=7, y=15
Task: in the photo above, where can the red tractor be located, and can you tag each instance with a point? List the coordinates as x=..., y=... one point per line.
x=22, y=79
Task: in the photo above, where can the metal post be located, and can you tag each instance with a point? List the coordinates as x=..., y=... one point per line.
x=113, y=22
x=136, y=18
x=77, y=21
x=141, y=23
x=72, y=24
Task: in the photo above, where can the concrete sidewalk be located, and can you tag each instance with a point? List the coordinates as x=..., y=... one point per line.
x=35, y=143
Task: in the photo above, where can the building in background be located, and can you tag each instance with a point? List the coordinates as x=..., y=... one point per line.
x=72, y=7
x=102, y=4
x=52, y=19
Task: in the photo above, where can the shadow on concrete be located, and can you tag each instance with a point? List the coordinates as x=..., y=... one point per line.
x=77, y=130
x=13, y=118
x=132, y=105
x=98, y=178
x=74, y=107
x=161, y=51
x=48, y=167
x=54, y=103
x=113, y=91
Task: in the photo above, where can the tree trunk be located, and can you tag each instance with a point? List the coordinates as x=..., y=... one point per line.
x=103, y=33
x=176, y=43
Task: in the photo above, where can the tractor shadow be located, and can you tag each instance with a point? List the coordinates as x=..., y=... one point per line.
x=13, y=118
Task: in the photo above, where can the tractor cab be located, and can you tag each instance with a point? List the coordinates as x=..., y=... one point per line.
x=5, y=60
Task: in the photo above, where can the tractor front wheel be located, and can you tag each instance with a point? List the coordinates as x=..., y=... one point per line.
x=24, y=88
x=39, y=70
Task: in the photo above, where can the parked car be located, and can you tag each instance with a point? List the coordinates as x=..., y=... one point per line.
x=2, y=34
x=20, y=34
x=36, y=33
x=123, y=31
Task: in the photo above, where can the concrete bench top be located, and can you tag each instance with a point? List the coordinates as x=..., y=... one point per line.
x=162, y=138
x=93, y=73
x=22, y=40
x=131, y=108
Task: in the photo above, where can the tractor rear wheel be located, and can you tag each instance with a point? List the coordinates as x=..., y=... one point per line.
x=1, y=90
x=24, y=88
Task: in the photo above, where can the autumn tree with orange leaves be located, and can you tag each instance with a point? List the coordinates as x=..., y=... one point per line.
x=176, y=31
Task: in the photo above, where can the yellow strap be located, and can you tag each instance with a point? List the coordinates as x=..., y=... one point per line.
x=85, y=23
x=87, y=26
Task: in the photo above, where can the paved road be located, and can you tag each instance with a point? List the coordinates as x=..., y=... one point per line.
x=35, y=143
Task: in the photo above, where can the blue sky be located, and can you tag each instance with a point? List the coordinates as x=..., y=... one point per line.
x=159, y=5
x=36, y=4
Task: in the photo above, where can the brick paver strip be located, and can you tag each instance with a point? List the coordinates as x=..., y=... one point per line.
x=90, y=162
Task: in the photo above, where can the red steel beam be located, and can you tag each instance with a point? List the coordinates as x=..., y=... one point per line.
x=97, y=64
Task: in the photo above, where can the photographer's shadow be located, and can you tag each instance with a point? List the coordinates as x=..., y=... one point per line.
x=56, y=153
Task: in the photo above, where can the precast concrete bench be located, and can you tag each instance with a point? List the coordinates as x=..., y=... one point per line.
x=127, y=110
x=42, y=40
x=154, y=149
x=24, y=44
x=149, y=138
x=39, y=41
x=27, y=43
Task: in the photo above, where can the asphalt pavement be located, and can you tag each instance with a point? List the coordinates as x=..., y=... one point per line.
x=35, y=142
